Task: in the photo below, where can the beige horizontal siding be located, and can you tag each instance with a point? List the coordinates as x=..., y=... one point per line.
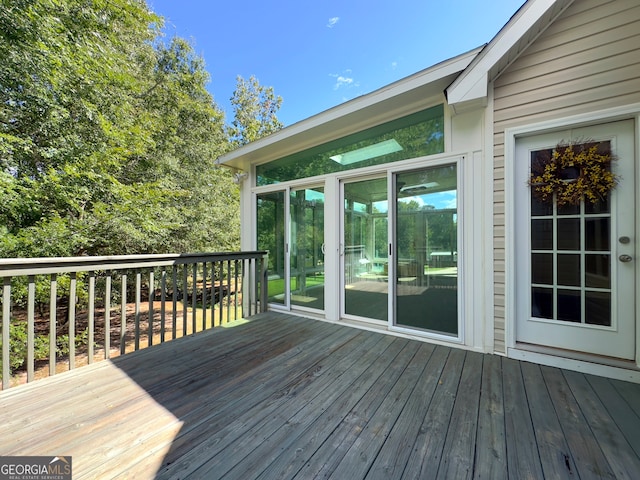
x=587, y=60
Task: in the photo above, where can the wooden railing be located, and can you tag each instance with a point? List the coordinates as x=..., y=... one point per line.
x=59, y=313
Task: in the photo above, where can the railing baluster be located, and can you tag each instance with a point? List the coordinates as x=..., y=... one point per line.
x=123, y=315
x=31, y=305
x=220, y=283
x=185, y=300
x=204, y=296
x=151, y=299
x=72, y=320
x=247, y=285
x=264, y=292
x=163, y=299
x=107, y=315
x=235, y=290
x=137, y=311
x=6, y=333
x=174, y=313
x=228, y=293
x=213, y=294
x=91, y=319
x=194, y=297
x=53, y=322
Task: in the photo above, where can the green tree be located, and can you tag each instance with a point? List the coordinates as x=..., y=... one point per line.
x=255, y=107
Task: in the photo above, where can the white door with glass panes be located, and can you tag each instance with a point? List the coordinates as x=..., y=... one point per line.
x=576, y=264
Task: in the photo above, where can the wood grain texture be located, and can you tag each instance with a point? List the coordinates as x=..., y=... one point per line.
x=283, y=397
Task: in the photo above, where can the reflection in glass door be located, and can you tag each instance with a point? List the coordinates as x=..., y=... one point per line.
x=271, y=237
x=307, y=247
x=364, y=249
x=426, y=240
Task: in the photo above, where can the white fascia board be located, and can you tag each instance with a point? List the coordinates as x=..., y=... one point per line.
x=472, y=84
x=353, y=115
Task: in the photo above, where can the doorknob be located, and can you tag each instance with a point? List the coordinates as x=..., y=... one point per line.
x=625, y=258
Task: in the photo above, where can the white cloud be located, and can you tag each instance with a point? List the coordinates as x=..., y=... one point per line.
x=344, y=80
x=394, y=65
x=333, y=21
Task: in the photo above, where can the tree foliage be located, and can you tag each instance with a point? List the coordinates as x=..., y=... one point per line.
x=255, y=107
x=108, y=135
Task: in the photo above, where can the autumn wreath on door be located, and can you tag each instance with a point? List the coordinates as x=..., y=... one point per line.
x=573, y=172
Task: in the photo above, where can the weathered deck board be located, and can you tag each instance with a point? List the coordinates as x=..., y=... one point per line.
x=283, y=397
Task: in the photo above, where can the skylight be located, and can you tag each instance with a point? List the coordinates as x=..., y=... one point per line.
x=367, y=153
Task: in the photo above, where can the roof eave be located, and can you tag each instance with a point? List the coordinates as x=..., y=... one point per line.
x=471, y=87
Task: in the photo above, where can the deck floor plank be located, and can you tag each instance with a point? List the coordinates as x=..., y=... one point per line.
x=363, y=452
x=392, y=458
x=283, y=397
x=348, y=391
x=588, y=457
x=459, y=448
x=555, y=456
x=353, y=410
x=621, y=412
x=426, y=454
x=491, y=445
x=253, y=453
x=620, y=456
x=523, y=459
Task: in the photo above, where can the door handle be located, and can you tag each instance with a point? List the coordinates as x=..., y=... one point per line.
x=323, y=248
x=625, y=258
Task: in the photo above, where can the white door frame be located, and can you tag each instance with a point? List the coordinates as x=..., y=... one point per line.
x=604, y=116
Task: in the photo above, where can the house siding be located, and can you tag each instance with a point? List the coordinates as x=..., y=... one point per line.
x=587, y=60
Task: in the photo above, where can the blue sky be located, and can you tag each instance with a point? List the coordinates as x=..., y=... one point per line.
x=317, y=54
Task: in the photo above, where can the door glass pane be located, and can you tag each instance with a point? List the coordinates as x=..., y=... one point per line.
x=271, y=221
x=427, y=250
x=542, y=234
x=598, y=308
x=542, y=268
x=307, y=240
x=569, y=308
x=598, y=233
x=366, y=268
x=569, y=270
x=569, y=234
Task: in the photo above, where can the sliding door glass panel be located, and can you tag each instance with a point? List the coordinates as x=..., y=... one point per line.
x=307, y=247
x=427, y=250
x=271, y=237
x=366, y=266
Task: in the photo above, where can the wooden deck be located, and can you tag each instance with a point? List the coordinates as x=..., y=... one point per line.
x=286, y=397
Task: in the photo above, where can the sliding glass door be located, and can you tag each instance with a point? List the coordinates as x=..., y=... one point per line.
x=271, y=222
x=291, y=228
x=306, y=258
x=426, y=246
